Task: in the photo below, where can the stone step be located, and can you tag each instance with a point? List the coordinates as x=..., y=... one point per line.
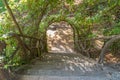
x=38, y=77
x=61, y=72
x=87, y=76
x=61, y=67
x=60, y=56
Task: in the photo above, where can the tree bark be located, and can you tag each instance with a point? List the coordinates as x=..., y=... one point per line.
x=107, y=44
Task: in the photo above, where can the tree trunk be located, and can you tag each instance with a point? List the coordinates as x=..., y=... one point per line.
x=107, y=44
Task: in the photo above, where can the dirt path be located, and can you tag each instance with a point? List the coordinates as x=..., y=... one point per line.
x=56, y=66
x=60, y=38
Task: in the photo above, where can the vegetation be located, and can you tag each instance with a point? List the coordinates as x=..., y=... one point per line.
x=23, y=26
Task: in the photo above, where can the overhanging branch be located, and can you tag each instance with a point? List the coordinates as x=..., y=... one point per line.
x=12, y=16
x=20, y=35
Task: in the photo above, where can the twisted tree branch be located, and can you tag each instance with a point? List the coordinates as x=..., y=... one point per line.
x=12, y=16
x=102, y=54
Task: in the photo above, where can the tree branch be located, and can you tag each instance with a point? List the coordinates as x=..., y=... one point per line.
x=20, y=35
x=41, y=15
x=12, y=16
x=107, y=44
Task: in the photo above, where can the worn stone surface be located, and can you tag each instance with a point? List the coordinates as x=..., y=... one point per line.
x=56, y=66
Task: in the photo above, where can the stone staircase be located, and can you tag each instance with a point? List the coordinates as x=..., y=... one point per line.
x=63, y=66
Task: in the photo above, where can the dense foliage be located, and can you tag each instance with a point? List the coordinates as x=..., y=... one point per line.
x=23, y=24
